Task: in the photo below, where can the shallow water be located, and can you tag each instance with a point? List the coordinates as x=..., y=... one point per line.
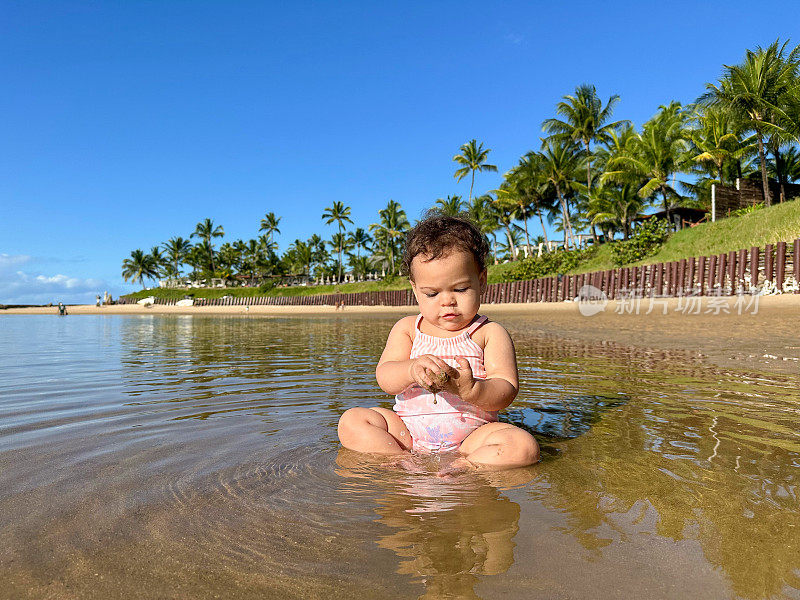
x=196, y=457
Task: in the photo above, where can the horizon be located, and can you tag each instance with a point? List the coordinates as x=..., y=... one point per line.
x=129, y=124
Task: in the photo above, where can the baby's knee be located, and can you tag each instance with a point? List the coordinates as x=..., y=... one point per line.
x=527, y=448
x=355, y=419
x=519, y=447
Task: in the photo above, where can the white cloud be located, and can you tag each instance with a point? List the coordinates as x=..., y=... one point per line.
x=9, y=261
x=19, y=287
x=514, y=38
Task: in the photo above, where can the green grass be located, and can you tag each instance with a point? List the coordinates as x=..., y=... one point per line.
x=598, y=262
x=494, y=273
x=778, y=223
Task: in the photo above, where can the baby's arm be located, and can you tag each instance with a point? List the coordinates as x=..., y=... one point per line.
x=396, y=371
x=500, y=387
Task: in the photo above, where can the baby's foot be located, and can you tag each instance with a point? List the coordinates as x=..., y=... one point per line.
x=457, y=467
x=405, y=462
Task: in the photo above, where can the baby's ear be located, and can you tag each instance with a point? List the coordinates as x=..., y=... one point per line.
x=414, y=289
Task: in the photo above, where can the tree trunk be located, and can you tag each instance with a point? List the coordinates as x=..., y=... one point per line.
x=471, y=185
x=565, y=213
x=763, y=161
x=544, y=231
x=527, y=238
x=340, y=254
x=666, y=206
x=779, y=171
x=511, y=242
x=589, y=185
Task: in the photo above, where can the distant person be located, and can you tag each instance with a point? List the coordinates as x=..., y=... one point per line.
x=62, y=310
x=97, y=302
x=451, y=369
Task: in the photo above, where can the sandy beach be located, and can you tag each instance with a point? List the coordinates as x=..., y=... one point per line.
x=770, y=304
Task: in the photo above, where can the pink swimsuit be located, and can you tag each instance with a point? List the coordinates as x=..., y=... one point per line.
x=440, y=422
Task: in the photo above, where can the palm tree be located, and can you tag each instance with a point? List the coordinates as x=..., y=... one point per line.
x=755, y=90
x=318, y=252
x=533, y=193
x=788, y=164
x=482, y=212
x=360, y=265
x=452, y=206
x=269, y=225
x=177, y=249
x=338, y=213
x=158, y=261
x=513, y=241
x=229, y=259
x=301, y=256
x=510, y=207
x=560, y=159
x=654, y=155
x=342, y=242
x=716, y=139
x=615, y=207
x=206, y=231
x=204, y=257
x=390, y=230
x=507, y=211
x=138, y=267
x=472, y=158
x=585, y=121
x=359, y=239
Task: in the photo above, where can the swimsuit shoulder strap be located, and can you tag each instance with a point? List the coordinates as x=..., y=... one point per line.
x=415, y=330
x=477, y=324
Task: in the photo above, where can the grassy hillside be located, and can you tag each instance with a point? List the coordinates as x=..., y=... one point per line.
x=779, y=223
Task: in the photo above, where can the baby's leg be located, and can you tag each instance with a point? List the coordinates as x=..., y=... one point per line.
x=375, y=430
x=500, y=446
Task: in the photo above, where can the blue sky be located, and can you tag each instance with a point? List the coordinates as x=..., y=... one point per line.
x=126, y=123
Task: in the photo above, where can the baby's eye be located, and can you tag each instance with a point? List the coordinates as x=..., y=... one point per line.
x=431, y=294
x=460, y=289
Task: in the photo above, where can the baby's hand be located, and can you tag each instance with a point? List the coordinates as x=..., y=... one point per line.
x=463, y=383
x=431, y=372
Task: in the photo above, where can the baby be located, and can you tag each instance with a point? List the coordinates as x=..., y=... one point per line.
x=451, y=369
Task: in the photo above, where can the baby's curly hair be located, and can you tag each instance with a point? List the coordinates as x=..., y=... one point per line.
x=436, y=235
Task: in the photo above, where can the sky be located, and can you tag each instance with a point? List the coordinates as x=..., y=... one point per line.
x=126, y=123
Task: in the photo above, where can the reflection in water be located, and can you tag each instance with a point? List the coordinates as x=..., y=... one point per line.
x=202, y=451
x=447, y=531
x=711, y=455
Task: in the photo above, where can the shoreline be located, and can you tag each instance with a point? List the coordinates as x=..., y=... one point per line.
x=748, y=306
x=750, y=333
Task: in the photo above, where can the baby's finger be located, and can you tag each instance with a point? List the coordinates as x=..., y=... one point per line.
x=463, y=365
x=426, y=378
x=431, y=362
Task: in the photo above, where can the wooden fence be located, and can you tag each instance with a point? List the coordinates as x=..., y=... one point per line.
x=744, y=271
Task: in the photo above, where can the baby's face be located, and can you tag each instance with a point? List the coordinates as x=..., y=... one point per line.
x=448, y=289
